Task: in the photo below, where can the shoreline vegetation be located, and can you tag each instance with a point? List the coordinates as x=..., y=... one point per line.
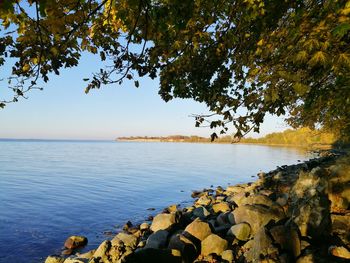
x=303, y=137
x=297, y=213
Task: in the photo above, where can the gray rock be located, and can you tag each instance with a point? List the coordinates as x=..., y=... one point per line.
x=54, y=259
x=157, y=239
x=287, y=238
x=261, y=247
x=213, y=244
x=198, y=229
x=163, y=222
x=257, y=215
x=240, y=231
x=188, y=249
x=312, y=216
x=201, y=212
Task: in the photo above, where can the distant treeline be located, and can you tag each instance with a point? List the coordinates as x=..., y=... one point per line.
x=299, y=137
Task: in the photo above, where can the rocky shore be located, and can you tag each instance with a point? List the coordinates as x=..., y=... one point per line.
x=298, y=213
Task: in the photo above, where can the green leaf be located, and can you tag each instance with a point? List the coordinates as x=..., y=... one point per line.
x=341, y=30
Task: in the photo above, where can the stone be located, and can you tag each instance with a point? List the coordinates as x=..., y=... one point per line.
x=261, y=247
x=201, y=212
x=234, y=189
x=240, y=231
x=74, y=242
x=101, y=252
x=204, y=200
x=144, y=226
x=257, y=215
x=287, y=238
x=339, y=252
x=198, y=229
x=127, y=239
x=157, y=239
x=213, y=244
x=221, y=207
x=163, y=222
x=238, y=199
x=258, y=199
x=87, y=255
x=341, y=227
x=312, y=216
x=54, y=259
x=172, y=208
x=188, y=249
x=154, y=256
x=231, y=218
x=73, y=259
x=228, y=255
x=222, y=219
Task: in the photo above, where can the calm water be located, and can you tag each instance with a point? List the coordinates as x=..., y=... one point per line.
x=50, y=190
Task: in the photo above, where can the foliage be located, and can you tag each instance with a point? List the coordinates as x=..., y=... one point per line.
x=242, y=58
x=300, y=137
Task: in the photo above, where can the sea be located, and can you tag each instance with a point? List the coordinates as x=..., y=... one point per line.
x=52, y=189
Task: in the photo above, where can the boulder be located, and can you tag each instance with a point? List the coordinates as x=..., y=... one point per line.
x=74, y=242
x=201, y=212
x=213, y=244
x=228, y=255
x=221, y=207
x=339, y=252
x=222, y=219
x=154, y=256
x=74, y=259
x=144, y=226
x=238, y=199
x=234, y=189
x=341, y=227
x=312, y=216
x=188, y=249
x=172, y=208
x=261, y=247
x=198, y=229
x=163, y=222
x=127, y=239
x=101, y=252
x=204, y=200
x=157, y=239
x=240, y=231
x=54, y=259
x=287, y=238
x=257, y=215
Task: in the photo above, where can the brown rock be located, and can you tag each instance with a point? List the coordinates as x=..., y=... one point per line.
x=221, y=207
x=198, y=229
x=340, y=252
x=213, y=244
x=74, y=242
x=257, y=215
x=163, y=222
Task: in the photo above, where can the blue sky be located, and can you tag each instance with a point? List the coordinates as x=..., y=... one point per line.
x=63, y=111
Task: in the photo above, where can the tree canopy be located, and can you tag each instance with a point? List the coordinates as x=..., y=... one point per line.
x=242, y=58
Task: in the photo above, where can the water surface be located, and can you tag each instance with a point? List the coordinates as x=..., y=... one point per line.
x=50, y=190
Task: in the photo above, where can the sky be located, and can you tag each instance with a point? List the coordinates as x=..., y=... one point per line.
x=63, y=111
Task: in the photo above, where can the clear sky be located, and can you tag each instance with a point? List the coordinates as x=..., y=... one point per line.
x=63, y=111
